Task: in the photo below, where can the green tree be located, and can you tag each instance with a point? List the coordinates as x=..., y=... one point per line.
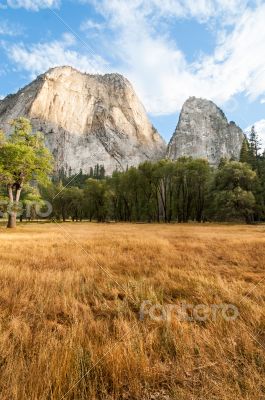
x=96, y=199
x=232, y=193
x=191, y=180
x=149, y=197
x=23, y=158
x=199, y=176
x=102, y=172
x=30, y=200
x=254, y=148
x=245, y=151
x=165, y=187
x=75, y=203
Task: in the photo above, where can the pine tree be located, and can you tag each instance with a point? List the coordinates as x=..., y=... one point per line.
x=244, y=153
x=96, y=171
x=222, y=162
x=102, y=172
x=254, y=148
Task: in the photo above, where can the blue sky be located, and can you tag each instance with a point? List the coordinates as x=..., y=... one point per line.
x=169, y=50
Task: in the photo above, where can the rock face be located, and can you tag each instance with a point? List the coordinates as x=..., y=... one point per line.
x=86, y=120
x=204, y=132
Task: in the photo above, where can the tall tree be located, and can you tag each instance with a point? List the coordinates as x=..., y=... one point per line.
x=254, y=148
x=165, y=178
x=232, y=194
x=148, y=191
x=96, y=199
x=23, y=158
x=245, y=151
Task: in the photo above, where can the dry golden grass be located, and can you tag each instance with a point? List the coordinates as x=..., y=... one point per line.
x=62, y=316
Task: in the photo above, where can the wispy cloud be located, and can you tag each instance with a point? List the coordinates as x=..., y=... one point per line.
x=147, y=56
x=89, y=25
x=203, y=11
x=38, y=58
x=33, y=5
x=8, y=29
x=138, y=36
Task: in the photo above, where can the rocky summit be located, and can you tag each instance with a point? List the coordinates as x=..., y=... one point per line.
x=90, y=120
x=203, y=131
x=86, y=120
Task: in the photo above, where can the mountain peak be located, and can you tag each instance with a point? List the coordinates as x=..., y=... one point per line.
x=86, y=119
x=204, y=132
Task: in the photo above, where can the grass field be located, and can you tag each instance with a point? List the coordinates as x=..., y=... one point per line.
x=70, y=298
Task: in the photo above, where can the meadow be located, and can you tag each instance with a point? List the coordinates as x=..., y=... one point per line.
x=70, y=302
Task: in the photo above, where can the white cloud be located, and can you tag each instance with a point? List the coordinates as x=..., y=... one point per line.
x=160, y=71
x=34, y=5
x=8, y=29
x=202, y=10
x=260, y=129
x=137, y=35
x=237, y=64
x=89, y=24
x=39, y=57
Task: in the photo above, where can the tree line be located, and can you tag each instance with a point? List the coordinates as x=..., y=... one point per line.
x=165, y=191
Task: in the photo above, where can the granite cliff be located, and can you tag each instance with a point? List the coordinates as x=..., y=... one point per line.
x=86, y=120
x=203, y=131
x=98, y=119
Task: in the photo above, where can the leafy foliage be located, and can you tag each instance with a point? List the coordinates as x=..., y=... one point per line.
x=167, y=191
x=23, y=158
x=232, y=191
x=183, y=190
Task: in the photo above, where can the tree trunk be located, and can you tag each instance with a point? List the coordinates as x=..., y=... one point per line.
x=12, y=220
x=18, y=193
x=12, y=215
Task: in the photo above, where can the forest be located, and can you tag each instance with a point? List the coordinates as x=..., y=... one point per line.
x=165, y=191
